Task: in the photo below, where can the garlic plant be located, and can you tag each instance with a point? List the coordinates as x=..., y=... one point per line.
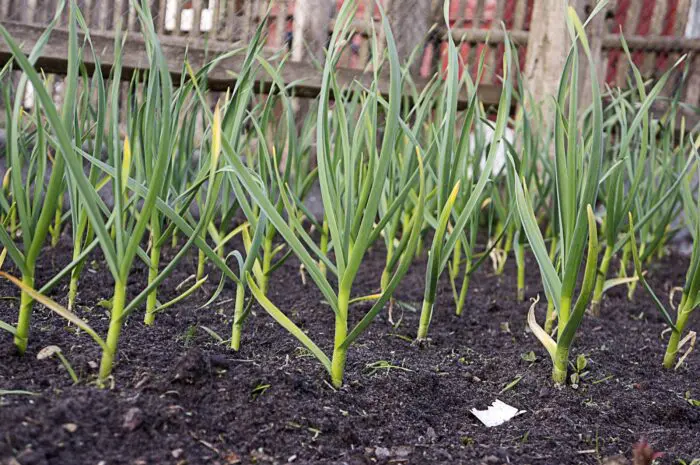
x=228, y=183
x=451, y=153
x=578, y=159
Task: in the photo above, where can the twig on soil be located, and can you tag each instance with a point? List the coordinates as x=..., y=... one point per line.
x=17, y=392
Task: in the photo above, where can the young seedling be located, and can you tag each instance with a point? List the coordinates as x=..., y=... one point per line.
x=35, y=202
x=659, y=201
x=82, y=233
x=284, y=180
x=448, y=178
x=470, y=165
x=122, y=247
x=691, y=290
x=401, y=172
x=49, y=351
x=351, y=188
x=625, y=181
x=577, y=187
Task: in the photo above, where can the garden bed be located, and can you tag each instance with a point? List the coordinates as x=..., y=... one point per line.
x=181, y=397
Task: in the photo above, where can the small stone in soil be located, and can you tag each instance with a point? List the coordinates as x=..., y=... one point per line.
x=70, y=427
x=232, y=458
x=382, y=452
x=132, y=419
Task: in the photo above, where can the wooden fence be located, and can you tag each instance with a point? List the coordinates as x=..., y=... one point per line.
x=654, y=30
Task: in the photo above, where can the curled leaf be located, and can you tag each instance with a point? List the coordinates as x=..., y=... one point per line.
x=537, y=330
x=48, y=352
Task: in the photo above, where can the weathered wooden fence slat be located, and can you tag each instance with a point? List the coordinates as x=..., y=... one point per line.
x=221, y=78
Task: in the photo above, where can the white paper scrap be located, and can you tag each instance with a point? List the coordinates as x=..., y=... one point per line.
x=497, y=414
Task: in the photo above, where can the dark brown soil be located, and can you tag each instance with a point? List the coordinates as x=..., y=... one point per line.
x=180, y=397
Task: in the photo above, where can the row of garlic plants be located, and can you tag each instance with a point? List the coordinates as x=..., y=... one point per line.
x=406, y=171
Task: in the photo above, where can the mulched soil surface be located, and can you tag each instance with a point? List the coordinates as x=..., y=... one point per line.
x=180, y=397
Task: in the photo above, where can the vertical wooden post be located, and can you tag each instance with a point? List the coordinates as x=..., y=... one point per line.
x=249, y=16
x=215, y=20
x=410, y=21
x=311, y=18
x=118, y=18
x=178, y=18
x=5, y=8
x=162, y=11
x=87, y=12
x=280, y=24
x=131, y=18
x=103, y=11
x=234, y=25
x=548, y=46
x=197, y=8
x=30, y=11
